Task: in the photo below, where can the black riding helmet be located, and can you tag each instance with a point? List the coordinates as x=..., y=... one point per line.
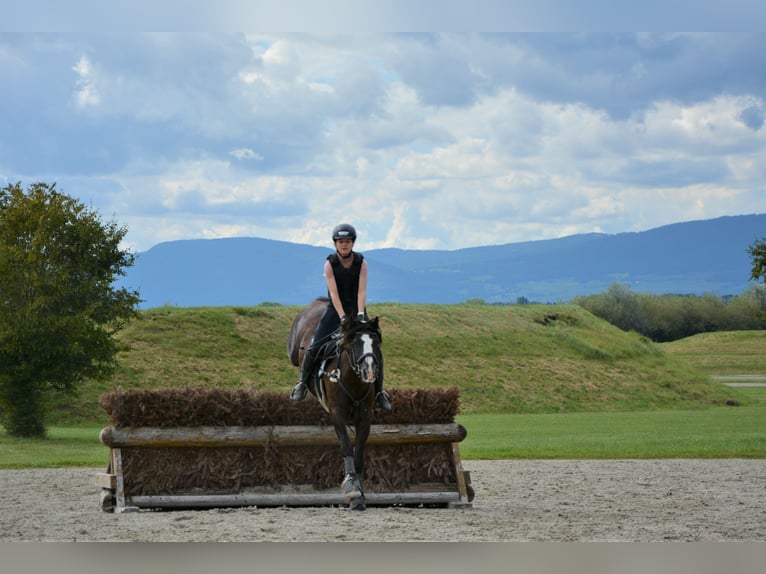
x=344, y=231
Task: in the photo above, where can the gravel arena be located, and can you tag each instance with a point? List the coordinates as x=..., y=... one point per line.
x=515, y=501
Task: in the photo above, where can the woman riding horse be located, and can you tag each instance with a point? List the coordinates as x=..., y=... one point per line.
x=345, y=272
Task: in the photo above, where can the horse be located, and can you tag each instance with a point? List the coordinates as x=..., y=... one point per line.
x=350, y=363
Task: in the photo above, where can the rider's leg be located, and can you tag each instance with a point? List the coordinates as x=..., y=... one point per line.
x=307, y=367
x=381, y=397
x=327, y=326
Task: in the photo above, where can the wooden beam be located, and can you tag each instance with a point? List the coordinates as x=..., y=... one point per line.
x=298, y=435
x=119, y=491
x=288, y=499
x=461, y=486
x=106, y=480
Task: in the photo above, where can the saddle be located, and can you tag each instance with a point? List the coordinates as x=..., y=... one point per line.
x=329, y=350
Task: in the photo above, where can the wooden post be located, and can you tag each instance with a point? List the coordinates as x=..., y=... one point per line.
x=465, y=500
x=119, y=492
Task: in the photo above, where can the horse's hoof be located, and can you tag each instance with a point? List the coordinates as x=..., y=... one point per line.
x=357, y=505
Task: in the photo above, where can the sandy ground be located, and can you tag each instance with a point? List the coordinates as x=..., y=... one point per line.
x=566, y=501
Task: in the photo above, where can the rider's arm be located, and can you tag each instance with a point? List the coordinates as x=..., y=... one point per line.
x=361, y=297
x=332, y=288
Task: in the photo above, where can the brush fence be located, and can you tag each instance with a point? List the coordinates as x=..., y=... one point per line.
x=182, y=467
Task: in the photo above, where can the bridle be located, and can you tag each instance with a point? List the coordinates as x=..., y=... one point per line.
x=357, y=360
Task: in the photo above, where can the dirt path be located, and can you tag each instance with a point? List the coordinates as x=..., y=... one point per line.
x=632, y=500
x=741, y=380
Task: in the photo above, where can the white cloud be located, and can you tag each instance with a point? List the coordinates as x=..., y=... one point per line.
x=245, y=153
x=421, y=141
x=87, y=95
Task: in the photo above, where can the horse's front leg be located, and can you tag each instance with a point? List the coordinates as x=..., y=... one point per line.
x=360, y=443
x=362, y=433
x=352, y=486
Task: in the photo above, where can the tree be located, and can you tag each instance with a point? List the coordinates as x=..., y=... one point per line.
x=757, y=252
x=59, y=309
x=619, y=306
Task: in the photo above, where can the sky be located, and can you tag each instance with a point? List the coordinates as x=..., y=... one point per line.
x=436, y=140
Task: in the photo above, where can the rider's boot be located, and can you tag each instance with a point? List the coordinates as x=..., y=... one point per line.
x=381, y=397
x=307, y=366
x=299, y=391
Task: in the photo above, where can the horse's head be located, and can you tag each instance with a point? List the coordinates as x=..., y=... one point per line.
x=362, y=340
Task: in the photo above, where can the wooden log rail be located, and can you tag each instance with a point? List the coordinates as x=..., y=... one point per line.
x=451, y=498
x=299, y=435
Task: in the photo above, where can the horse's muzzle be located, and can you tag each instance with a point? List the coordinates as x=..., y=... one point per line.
x=368, y=370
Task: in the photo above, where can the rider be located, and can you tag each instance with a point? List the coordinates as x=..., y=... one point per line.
x=345, y=272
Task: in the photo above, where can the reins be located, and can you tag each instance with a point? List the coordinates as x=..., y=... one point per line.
x=355, y=361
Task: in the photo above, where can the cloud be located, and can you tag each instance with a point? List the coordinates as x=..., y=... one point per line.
x=437, y=68
x=87, y=94
x=420, y=140
x=245, y=153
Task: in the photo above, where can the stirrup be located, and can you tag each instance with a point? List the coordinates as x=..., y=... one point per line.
x=299, y=391
x=382, y=402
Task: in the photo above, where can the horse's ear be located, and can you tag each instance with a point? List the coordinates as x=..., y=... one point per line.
x=375, y=322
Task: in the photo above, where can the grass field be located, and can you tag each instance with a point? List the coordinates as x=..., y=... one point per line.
x=725, y=432
x=536, y=381
x=64, y=446
x=734, y=432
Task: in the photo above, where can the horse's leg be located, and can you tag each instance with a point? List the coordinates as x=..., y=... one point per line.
x=360, y=443
x=351, y=486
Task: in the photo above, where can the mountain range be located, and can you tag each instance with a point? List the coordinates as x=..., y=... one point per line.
x=695, y=257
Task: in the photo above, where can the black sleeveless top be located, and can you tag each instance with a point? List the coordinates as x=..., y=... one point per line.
x=347, y=281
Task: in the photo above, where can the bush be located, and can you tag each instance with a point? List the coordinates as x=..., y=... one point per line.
x=664, y=318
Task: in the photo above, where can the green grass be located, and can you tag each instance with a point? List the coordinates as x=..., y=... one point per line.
x=63, y=447
x=726, y=432
x=734, y=432
x=723, y=353
x=536, y=381
x=504, y=359
x=756, y=395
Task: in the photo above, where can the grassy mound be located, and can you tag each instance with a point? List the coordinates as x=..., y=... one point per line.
x=723, y=352
x=503, y=359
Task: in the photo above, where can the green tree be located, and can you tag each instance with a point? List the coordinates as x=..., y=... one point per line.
x=59, y=308
x=747, y=311
x=619, y=306
x=757, y=252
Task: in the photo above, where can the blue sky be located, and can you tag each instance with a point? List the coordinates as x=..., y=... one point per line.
x=422, y=141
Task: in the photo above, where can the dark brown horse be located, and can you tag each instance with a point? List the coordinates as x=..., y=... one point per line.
x=344, y=386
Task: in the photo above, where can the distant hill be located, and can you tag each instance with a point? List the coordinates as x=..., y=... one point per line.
x=695, y=257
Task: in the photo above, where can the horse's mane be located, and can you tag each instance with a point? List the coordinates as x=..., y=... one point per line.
x=369, y=327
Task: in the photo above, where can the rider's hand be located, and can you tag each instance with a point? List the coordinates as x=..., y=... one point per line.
x=344, y=320
x=362, y=317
